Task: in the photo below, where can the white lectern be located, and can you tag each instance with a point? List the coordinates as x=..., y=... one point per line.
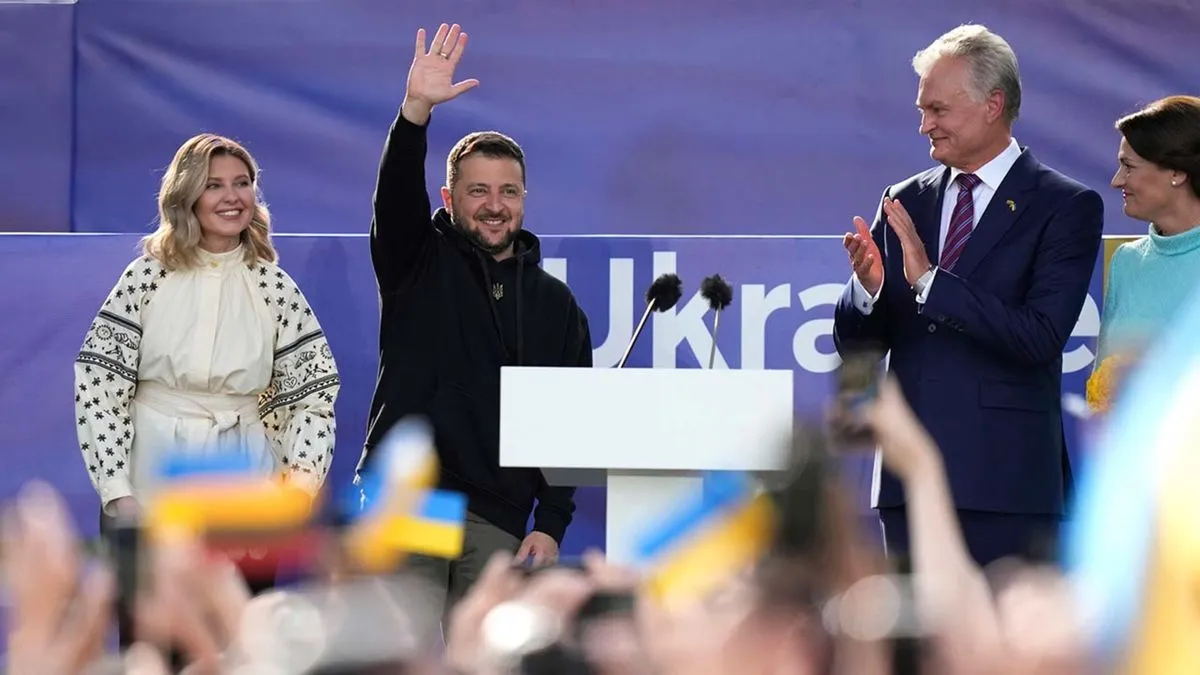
x=652, y=429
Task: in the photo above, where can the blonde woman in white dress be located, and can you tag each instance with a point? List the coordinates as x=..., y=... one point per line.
x=205, y=344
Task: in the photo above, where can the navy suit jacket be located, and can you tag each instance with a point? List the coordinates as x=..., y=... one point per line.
x=981, y=361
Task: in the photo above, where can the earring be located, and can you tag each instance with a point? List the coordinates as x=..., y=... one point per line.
x=1175, y=183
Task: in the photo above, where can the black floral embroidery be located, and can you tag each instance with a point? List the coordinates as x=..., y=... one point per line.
x=106, y=379
x=297, y=407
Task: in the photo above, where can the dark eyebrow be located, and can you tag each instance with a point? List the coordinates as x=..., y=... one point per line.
x=505, y=185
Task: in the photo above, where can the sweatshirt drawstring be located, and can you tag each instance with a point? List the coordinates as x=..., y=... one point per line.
x=520, y=332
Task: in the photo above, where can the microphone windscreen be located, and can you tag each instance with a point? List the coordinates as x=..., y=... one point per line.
x=717, y=292
x=665, y=292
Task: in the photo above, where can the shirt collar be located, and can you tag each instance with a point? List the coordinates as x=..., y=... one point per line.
x=993, y=173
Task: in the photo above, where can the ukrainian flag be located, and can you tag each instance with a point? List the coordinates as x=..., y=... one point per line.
x=398, y=512
x=406, y=465
x=408, y=454
x=1133, y=549
x=183, y=466
x=435, y=528
x=222, y=492
x=716, y=535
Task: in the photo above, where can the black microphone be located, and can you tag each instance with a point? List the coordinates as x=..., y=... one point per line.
x=719, y=294
x=661, y=296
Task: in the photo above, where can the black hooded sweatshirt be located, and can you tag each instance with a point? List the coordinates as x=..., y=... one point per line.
x=450, y=317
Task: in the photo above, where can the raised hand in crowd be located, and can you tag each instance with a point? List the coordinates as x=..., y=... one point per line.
x=63, y=609
x=59, y=614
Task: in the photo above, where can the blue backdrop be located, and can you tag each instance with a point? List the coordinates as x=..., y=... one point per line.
x=666, y=117
x=781, y=317
x=713, y=136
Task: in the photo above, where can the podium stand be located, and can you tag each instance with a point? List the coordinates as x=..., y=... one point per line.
x=653, y=430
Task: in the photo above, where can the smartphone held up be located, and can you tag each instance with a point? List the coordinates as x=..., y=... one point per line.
x=858, y=380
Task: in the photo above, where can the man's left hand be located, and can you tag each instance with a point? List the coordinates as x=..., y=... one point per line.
x=540, y=547
x=916, y=262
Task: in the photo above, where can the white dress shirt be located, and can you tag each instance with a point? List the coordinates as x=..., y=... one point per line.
x=990, y=176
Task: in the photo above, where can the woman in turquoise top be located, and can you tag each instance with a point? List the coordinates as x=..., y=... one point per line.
x=1148, y=279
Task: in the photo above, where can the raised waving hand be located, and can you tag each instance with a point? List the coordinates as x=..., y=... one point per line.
x=431, y=76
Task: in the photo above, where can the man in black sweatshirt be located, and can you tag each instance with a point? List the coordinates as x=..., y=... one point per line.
x=462, y=294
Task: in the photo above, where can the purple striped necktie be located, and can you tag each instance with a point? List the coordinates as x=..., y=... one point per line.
x=962, y=221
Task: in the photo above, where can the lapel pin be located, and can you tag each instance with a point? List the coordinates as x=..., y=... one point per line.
x=1011, y=206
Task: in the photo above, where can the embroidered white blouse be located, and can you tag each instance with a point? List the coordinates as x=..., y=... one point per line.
x=221, y=356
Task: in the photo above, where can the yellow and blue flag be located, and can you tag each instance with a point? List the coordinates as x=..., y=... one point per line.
x=398, y=512
x=233, y=508
x=408, y=454
x=1133, y=546
x=406, y=465
x=382, y=539
x=435, y=530
x=710, y=538
x=222, y=491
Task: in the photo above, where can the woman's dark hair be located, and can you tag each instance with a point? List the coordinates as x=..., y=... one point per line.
x=1167, y=133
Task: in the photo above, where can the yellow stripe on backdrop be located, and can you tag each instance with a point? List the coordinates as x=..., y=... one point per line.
x=1110, y=247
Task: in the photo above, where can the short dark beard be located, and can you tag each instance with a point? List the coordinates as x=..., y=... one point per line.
x=477, y=239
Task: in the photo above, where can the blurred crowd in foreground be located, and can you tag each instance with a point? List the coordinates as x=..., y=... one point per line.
x=798, y=592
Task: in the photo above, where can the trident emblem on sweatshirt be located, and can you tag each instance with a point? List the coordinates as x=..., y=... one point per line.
x=497, y=290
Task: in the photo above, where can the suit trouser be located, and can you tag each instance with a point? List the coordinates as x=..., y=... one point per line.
x=989, y=536
x=433, y=586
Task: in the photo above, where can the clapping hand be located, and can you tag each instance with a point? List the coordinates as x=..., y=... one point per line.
x=916, y=262
x=431, y=76
x=864, y=256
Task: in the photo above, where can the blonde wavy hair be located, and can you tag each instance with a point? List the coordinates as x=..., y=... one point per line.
x=175, y=241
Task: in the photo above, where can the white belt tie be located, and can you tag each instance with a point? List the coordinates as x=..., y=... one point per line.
x=204, y=424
